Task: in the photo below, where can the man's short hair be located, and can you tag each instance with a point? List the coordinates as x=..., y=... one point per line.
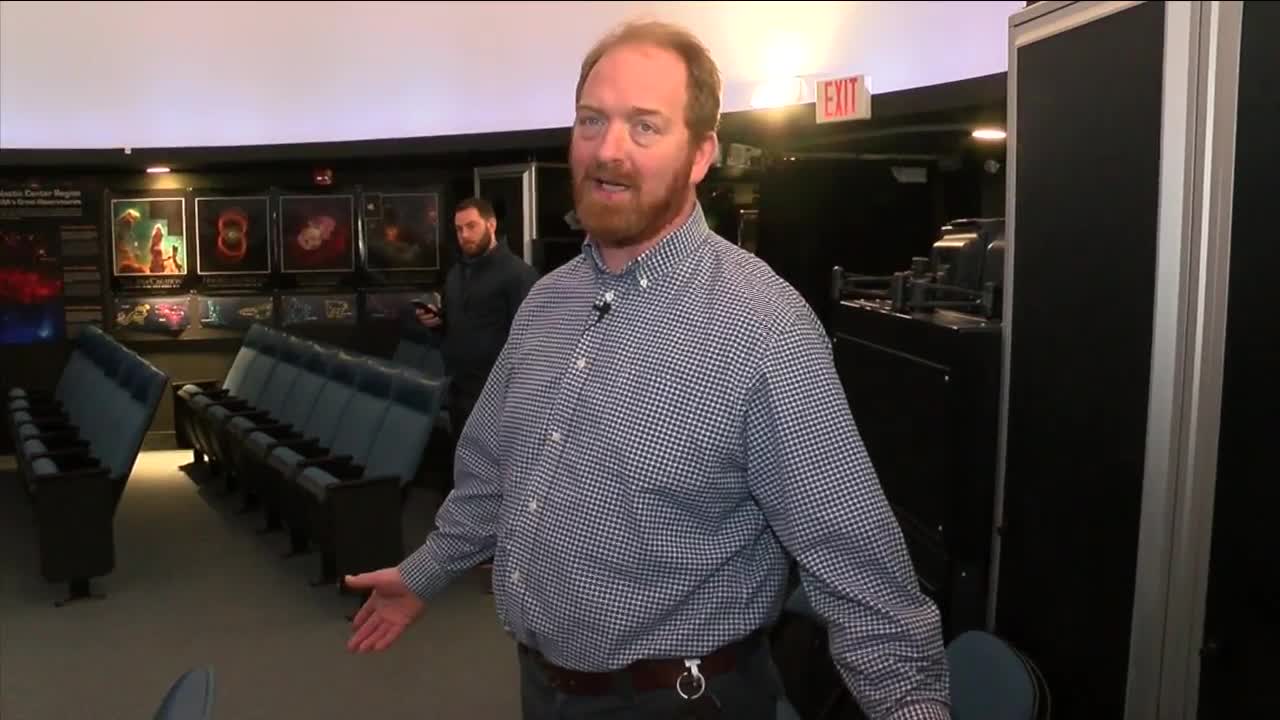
x=702, y=106
x=478, y=204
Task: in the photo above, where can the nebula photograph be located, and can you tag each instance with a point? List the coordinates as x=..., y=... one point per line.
x=402, y=231
x=316, y=233
x=30, y=287
x=232, y=236
x=149, y=236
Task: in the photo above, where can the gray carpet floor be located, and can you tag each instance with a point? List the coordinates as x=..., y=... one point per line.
x=194, y=585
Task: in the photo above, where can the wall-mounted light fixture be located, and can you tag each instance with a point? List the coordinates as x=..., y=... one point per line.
x=778, y=92
x=989, y=133
x=156, y=169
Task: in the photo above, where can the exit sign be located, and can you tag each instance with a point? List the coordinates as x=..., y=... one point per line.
x=841, y=99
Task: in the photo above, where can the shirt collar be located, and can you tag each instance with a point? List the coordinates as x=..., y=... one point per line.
x=663, y=256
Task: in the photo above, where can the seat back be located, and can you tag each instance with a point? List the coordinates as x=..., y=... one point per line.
x=279, y=387
x=306, y=391
x=258, y=375
x=77, y=381
x=366, y=410
x=73, y=373
x=785, y=711
x=92, y=403
x=327, y=413
x=433, y=363
x=249, y=352
x=190, y=697
x=401, y=440
x=419, y=357
x=989, y=680
x=408, y=353
x=145, y=386
x=106, y=402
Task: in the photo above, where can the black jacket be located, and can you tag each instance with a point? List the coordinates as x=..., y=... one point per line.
x=481, y=296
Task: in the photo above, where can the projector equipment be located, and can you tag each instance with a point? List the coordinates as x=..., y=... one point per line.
x=918, y=355
x=964, y=273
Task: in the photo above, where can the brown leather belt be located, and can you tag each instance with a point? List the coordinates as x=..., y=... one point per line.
x=644, y=675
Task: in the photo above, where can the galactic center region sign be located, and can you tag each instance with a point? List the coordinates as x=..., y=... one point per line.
x=841, y=99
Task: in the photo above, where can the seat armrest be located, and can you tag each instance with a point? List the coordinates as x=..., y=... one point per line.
x=79, y=449
x=50, y=421
x=69, y=434
x=231, y=402
x=346, y=472
x=335, y=465
x=206, y=384
x=57, y=441
x=299, y=444
x=43, y=404
x=366, y=482
x=83, y=472
x=76, y=461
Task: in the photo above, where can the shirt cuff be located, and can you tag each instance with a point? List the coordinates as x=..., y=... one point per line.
x=423, y=574
x=923, y=711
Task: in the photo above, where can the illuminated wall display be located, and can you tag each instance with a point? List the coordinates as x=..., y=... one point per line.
x=381, y=70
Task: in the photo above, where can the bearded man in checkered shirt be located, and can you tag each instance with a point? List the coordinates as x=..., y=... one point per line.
x=663, y=434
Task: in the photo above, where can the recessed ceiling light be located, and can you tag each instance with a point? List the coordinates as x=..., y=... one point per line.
x=989, y=134
x=157, y=169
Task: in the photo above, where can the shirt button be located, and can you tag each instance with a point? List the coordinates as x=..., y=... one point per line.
x=580, y=363
x=555, y=436
x=608, y=296
x=644, y=282
x=515, y=578
x=533, y=506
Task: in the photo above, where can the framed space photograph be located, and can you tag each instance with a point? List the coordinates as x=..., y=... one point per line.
x=233, y=235
x=316, y=233
x=149, y=236
x=31, y=289
x=402, y=231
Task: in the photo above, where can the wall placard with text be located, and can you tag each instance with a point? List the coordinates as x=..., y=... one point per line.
x=50, y=276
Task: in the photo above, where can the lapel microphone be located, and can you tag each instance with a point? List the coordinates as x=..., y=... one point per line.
x=602, y=308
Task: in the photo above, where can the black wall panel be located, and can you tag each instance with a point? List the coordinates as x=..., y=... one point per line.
x=1241, y=633
x=1087, y=164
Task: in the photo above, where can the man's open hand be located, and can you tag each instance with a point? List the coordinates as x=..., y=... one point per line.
x=390, y=609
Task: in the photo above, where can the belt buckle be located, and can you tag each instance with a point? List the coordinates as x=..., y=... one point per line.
x=696, y=678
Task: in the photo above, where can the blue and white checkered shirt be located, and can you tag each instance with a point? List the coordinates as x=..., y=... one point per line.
x=643, y=477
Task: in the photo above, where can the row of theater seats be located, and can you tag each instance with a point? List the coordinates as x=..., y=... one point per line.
x=325, y=439
x=76, y=446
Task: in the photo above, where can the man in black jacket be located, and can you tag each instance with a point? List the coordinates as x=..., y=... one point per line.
x=482, y=292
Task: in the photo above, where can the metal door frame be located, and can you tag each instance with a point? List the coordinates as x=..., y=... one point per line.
x=528, y=196
x=1197, y=160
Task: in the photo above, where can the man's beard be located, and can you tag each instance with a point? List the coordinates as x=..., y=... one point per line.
x=634, y=219
x=474, y=251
